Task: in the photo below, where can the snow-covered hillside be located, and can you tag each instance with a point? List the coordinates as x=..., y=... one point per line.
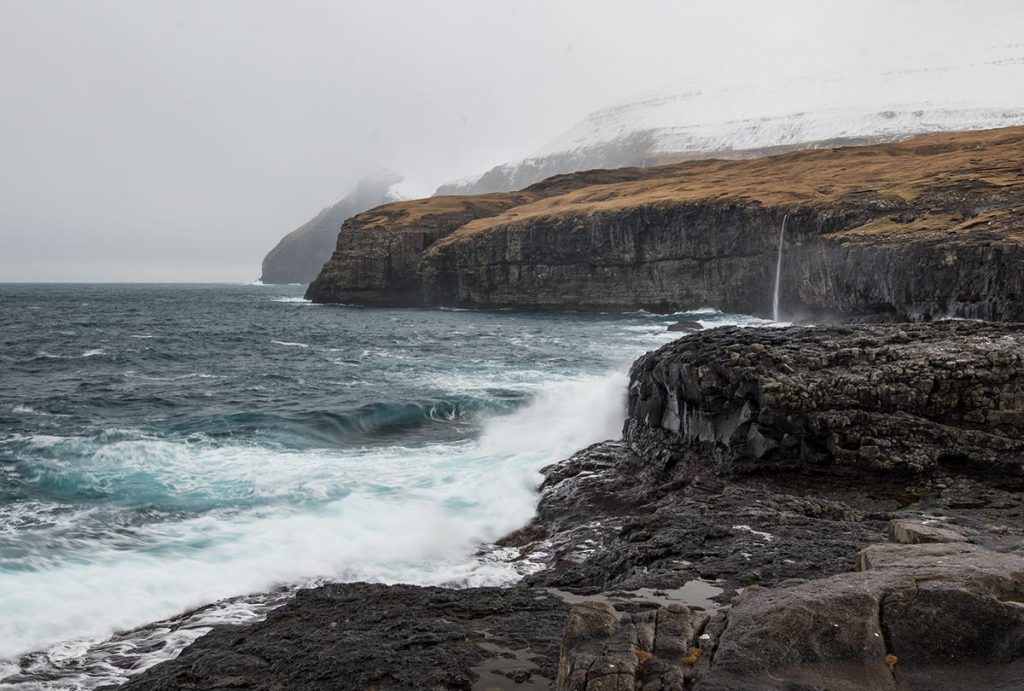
x=705, y=118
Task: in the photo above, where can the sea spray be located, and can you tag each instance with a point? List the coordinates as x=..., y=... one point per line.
x=562, y=419
x=206, y=462
x=394, y=515
x=778, y=271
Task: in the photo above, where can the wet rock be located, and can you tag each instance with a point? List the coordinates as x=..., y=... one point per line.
x=903, y=398
x=612, y=520
x=685, y=326
x=696, y=558
x=366, y=636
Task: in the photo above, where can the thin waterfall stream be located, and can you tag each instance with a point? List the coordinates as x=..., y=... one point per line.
x=778, y=271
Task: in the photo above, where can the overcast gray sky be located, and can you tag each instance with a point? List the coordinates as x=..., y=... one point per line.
x=160, y=140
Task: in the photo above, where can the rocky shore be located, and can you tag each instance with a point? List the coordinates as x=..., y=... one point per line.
x=800, y=508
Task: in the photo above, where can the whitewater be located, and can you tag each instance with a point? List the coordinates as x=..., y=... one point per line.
x=167, y=447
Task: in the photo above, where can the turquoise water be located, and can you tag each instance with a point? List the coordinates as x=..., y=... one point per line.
x=162, y=447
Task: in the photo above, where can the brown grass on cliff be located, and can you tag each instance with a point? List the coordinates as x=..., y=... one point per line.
x=910, y=171
x=417, y=212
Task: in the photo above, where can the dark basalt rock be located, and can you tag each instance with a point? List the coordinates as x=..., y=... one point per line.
x=607, y=519
x=885, y=398
x=365, y=636
x=685, y=326
x=803, y=631
x=687, y=255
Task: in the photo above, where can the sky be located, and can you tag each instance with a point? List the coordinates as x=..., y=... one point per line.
x=162, y=140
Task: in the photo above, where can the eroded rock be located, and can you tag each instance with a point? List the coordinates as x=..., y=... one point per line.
x=916, y=612
x=684, y=571
x=885, y=397
x=604, y=650
x=911, y=532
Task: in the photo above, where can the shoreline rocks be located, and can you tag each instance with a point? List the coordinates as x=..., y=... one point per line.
x=669, y=561
x=902, y=398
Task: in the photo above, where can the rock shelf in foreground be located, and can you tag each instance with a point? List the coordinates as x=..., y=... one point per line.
x=872, y=397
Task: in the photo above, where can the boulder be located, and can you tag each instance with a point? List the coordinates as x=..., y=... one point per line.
x=908, y=531
x=906, y=398
x=650, y=648
x=930, y=616
x=685, y=326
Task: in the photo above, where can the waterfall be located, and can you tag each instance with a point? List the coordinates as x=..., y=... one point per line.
x=778, y=271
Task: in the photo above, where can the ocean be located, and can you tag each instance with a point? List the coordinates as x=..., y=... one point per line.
x=163, y=447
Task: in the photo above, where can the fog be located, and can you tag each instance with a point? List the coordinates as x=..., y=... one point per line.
x=178, y=141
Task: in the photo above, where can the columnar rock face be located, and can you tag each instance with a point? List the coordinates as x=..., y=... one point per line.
x=881, y=397
x=670, y=257
x=912, y=231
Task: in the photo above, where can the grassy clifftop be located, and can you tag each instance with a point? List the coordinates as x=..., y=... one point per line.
x=931, y=172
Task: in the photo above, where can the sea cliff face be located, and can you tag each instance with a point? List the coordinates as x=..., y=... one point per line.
x=378, y=253
x=723, y=254
x=377, y=260
x=918, y=230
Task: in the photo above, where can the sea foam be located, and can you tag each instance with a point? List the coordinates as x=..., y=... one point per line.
x=391, y=514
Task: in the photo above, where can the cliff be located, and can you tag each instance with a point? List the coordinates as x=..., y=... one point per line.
x=299, y=255
x=378, y=254
x=915, y=230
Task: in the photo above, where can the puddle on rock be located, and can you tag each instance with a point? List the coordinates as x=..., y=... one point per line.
x=695, y=594
x=509, y=669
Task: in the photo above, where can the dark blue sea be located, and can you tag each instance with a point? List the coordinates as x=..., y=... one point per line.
x=167, y=446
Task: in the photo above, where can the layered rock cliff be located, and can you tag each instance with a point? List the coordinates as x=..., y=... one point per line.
x=922, y=229
x=378, y=254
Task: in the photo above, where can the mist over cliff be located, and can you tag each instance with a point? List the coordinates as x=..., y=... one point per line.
x=300, y=254
x=709, y=116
